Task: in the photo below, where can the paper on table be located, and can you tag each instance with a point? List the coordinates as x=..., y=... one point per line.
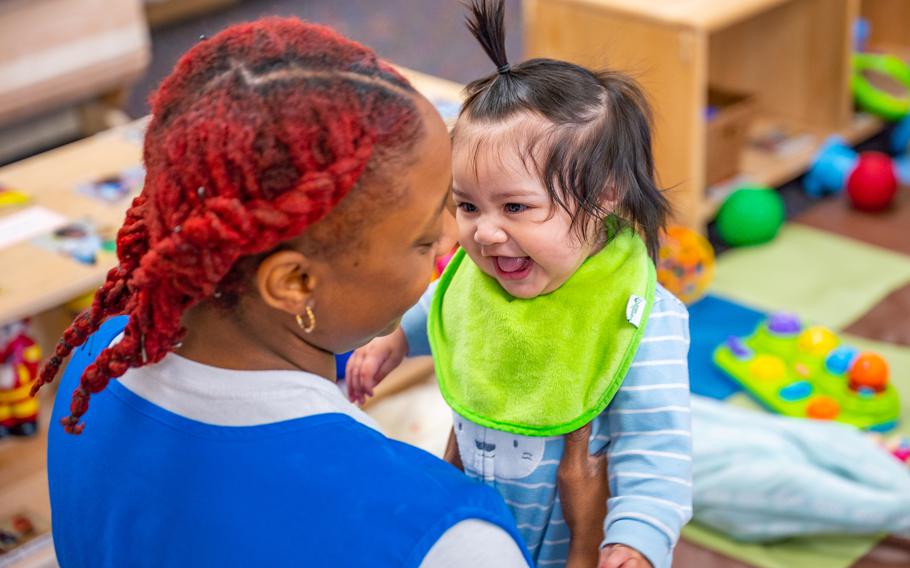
x=28, y=223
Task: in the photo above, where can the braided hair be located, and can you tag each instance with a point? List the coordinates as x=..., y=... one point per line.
x=256, y=135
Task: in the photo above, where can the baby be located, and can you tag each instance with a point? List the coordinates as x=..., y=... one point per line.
x=549, y=316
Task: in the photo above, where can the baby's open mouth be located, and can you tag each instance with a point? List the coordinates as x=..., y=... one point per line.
x=512, y=267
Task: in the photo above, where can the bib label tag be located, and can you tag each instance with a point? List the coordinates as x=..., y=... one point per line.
x=635, y=309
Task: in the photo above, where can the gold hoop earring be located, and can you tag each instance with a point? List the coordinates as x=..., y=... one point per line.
x=311, y=321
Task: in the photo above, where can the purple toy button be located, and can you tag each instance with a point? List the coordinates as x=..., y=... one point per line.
x=782, y=323
x=738, y=348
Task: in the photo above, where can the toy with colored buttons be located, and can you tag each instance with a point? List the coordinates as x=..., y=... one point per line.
x=807, y=372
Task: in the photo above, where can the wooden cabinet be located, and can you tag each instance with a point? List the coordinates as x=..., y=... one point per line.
x=792, y=55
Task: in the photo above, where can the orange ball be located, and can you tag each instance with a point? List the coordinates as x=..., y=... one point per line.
x=822, y=408
x=869, y=370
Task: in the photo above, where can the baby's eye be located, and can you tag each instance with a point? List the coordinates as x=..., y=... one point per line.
x=467, y=207
x=515, y=207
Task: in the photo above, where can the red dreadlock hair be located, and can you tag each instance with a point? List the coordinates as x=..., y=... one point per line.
x=255, y=136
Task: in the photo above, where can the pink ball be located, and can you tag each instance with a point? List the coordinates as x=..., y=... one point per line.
x=872, y=184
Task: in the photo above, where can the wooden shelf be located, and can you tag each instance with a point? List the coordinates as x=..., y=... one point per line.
x=792, y=56
x=703, y=14
x=889, y=22
x=773, y=169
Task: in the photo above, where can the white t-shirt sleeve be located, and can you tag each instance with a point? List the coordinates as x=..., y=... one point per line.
x=474, y=544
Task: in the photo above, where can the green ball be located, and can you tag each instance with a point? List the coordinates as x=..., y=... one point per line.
x=750, y=216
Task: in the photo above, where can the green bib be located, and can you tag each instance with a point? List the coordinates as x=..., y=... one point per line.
x=547, y=365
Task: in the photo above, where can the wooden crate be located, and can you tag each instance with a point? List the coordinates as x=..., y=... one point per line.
x=793, y=55
x=730, y=115
x=890, y=25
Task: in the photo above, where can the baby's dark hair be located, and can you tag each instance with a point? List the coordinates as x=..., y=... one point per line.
x=598, y=134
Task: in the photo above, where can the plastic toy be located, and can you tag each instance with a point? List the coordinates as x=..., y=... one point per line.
x=902, y=169
x=874, y=100
x=19, y=357
x=872, y=184
x=685, y=263
x=870, y=178
x=11, y=198
x=897, y=445
x=830, y=168
x=861, y=31
x=806, y=372
x=751, y=215
x=900, y=147
x=900, y=137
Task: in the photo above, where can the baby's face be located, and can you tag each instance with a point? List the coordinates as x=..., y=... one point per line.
x=507, y=225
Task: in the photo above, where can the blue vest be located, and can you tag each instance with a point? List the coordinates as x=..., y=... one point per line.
x=143, y=486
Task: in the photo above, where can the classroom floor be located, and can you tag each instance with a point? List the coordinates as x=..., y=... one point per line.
x=448, y=51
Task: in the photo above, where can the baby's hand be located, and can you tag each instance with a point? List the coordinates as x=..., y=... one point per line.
x=620, y=556
x=372, y=362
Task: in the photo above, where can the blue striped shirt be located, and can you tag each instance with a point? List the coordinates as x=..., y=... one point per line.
x=646, y=432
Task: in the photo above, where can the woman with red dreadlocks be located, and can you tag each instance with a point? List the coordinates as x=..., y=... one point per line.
x=293, y=207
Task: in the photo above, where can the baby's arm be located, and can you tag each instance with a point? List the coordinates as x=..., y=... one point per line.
x=372, y=362
x=650, y=450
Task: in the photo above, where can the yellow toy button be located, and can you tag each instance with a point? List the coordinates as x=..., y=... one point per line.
x=817, y=340
x=768, y=367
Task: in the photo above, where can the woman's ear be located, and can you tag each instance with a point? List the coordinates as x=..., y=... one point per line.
x=285, y=281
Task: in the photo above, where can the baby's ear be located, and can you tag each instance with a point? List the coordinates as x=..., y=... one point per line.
x=609, y=199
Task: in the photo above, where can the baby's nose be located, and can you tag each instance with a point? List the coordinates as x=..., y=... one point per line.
x=488, y=234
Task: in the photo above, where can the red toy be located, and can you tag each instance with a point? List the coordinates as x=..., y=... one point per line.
x=872, y=184
x=19, y=358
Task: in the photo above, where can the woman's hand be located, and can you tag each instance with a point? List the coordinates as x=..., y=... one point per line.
x=372, y=362
x=583, y=491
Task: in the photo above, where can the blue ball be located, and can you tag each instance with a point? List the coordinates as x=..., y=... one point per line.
x=830, y=168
